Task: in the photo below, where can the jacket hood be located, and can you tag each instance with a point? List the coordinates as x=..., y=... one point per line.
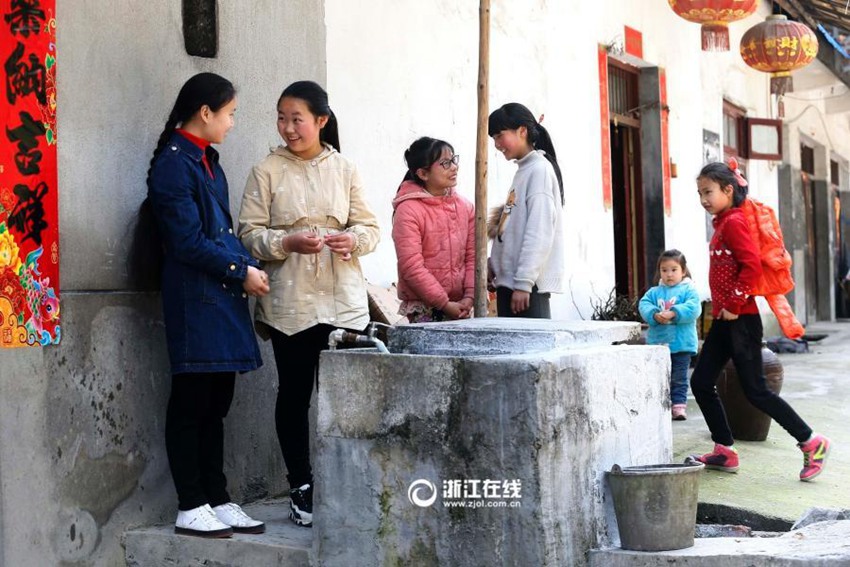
x=284, y=152
x=411, y=190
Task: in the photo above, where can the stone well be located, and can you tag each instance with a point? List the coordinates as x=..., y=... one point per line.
x=483, y=442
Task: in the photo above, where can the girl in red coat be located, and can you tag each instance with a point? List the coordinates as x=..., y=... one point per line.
x=736, y=332
x=434, y=236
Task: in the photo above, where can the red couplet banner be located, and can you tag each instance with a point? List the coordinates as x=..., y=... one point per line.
x=29, y=212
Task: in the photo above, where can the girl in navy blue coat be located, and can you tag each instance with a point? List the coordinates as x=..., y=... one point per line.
x=207, y=277
x=671, y=308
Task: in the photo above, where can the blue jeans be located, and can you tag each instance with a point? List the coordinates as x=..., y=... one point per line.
x=679, y=364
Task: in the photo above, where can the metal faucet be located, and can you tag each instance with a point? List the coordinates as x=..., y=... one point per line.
x=370, y=338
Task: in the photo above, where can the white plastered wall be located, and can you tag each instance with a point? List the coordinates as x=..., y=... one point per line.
x=415, y=74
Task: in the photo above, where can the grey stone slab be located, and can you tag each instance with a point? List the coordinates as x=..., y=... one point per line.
x=494, y=335
x=825, y=544
x=283, y=545
x=815, y=515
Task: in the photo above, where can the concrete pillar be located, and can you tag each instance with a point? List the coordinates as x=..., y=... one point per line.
x=545, y=406
x=652, y=173
x=825, y=246
x=792, y=219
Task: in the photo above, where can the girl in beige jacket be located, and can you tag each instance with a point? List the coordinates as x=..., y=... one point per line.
x=305, y=217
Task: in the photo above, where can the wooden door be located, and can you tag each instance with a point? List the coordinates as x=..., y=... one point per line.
x=626, y=188
x=627, y=201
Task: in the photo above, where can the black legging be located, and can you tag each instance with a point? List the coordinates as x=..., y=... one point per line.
x=194, y=437
x=297, y=360
x=739, y=340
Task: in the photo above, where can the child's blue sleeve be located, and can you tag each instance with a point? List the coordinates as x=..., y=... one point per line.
x=688, y=310
x=648, y=306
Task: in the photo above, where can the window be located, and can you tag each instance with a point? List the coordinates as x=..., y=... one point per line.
x=733, y=121
x=623, y=102
x=750, y=138
x=764, y=138
x=734, y=134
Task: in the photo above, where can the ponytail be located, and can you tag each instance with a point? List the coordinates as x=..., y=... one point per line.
x=511, y=116
x=542, y=141
x=144, y=267
x=145, y=260
x=170, y=127
x=330, y=133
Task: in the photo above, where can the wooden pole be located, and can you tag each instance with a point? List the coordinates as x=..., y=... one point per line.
x=481, y=159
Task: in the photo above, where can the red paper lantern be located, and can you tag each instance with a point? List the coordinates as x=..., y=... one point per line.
x=779, y=46
x=714, y=15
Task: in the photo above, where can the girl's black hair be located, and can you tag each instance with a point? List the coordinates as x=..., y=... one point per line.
x=672, y=254
x=316, y=99
x=423, y=153
x=723, y=175
x=511, y=116
x=145, y=259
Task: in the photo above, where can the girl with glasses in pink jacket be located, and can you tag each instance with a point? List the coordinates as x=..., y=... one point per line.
x=434, y=236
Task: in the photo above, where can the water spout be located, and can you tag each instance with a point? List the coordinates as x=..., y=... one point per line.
x=338, y=336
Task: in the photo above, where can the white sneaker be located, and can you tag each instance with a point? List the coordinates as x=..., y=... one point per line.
x=232, y=515
x=201, y=521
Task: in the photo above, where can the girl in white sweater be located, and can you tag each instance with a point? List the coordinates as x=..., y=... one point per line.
x=527, y=258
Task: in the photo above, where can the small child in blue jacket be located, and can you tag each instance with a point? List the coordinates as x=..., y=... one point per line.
x=671, y=308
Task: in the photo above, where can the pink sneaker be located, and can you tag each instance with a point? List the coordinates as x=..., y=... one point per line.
x=723, y=458
x=814, y=451
x=679, y=413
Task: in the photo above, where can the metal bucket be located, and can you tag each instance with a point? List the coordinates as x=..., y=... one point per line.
x=656, y=505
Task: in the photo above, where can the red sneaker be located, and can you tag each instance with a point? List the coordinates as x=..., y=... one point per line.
x=723, y=458
x=814, y=451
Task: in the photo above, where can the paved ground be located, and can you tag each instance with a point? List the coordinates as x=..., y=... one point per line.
x=817, y=385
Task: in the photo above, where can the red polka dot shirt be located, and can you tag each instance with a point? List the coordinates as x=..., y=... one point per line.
x=735, y=265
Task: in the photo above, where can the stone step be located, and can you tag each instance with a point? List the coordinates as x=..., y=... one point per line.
x=283, y=545
x=824, y=544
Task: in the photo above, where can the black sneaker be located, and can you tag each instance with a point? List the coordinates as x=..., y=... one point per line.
x=301, y=505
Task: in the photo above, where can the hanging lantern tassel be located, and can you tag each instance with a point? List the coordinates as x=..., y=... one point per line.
x=714, y=16
x=781, y=83
x=779, y=46
x=715, y=36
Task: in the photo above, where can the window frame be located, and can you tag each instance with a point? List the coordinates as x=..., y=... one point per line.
x=777, y=125
x=738, y=116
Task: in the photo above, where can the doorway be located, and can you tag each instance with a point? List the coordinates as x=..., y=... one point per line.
x=627, y=197
x=626, y=181
x=807, y=167
x=840, y=202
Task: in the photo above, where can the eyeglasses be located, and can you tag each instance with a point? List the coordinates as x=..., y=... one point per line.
x=447, y=163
